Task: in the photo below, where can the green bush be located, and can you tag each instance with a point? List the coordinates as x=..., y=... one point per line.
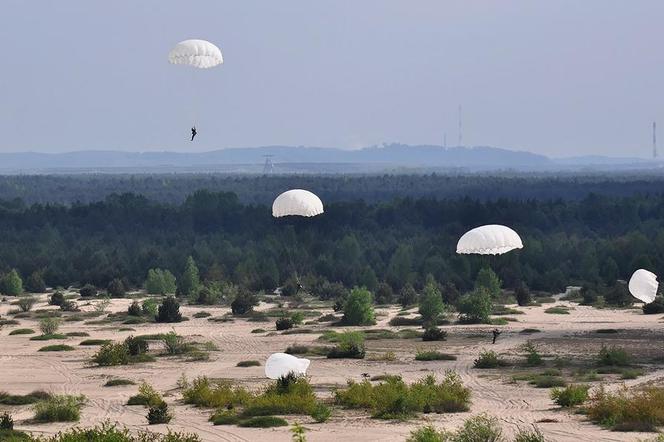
x=488, y=359
x=225, y=417
x=489, y=281
x=199, y=315
x=627, y=410
x=431, y=305
x=57, y=298
x=546, y=381
x=321, y=413
x=475, y=307
x=134, y=309
x=284, y=324
x=150, y=307
x=533, y=358
x=613, y=356
x=35, y=282
x=264, y=422
x=433, y=356
x=88, y=342
x=358, y=308
x=557, y=310
x=111, y=354
x=522, y=295
x=147, y=396
x=11, y=284
x=534, y=435
x=570, y=396
x=481, y=428
x=25, y=303
x=288, y=395
x=48, y=337
x=434, y=334
x=49, y=326
x=169, y=311
x=6, y=422
x=426, y=434
x=59, y=409
x=21, y=331
x=350, y=345
x=248, y=364
x=116, y=288
x=203, y=392
x=107, y=432
x=118, y=382
x=160, y=282
x=17, y=399
x=136, y=346
x=57, y=347
x=244, y=302
x=88, y=291
x=175, y=344
x=159, y=414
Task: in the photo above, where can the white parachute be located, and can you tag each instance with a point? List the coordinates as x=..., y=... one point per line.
x=643, y=286
x=196, y=53
x=281, y=364
x=491, y=239
x=297, y=202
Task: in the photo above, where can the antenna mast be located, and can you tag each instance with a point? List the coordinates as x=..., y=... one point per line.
x=268, y=167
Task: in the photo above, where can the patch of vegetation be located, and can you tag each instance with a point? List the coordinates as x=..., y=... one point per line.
x=526, y=435
x=547, y=381
x=49, y=326
x=570, y=396
x=481, y=428
x=488, y=359
x=147, y=396
x=111, y=354
x=199, y=315
x=60, y=408
x=159, y=414
x=88, y=342
x=613, y=357
x=606, y=331
x=434, y=334
x=48, y=337
x=433, y=356
x=263, y=422
x=557, y=310
x=225, y=417
x=57, y=347
x=321, y=413
x=394, y=399
x=17, y=399
x=530, y=330
x=248, y=364
x=533, y=358
x=349, y=345
x=627, y=410
x=21, y=331
x=204, y=392
x=169, y=311
x=118, y=382
x=107, y=432
x=358, y=308
x=258, y=330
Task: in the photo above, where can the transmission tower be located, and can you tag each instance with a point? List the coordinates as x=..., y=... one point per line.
x=268, y=167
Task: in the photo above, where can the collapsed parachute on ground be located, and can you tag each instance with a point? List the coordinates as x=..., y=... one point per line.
x=643, y=286
x=491, y=239
x=297, y=202
x=281, y=364
x=196, y=53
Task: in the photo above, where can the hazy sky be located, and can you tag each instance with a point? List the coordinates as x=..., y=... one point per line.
x=554, y=77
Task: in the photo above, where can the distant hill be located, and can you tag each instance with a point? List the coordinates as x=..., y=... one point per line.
x=301, y=159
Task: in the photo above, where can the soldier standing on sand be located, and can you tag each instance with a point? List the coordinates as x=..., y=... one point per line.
x=496, y=333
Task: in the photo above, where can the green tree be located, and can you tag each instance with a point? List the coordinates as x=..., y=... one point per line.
x=475, y=307
x=522, y=295
x=407, y=295
x=35, y=282
x=160, y=282
x=116, y=288
x=11, y=284
x=431, y=305
x=190, y=281
x=400, y=266
x=358, y=309
x=487, y=278
x=169, y=311
x=384, y=293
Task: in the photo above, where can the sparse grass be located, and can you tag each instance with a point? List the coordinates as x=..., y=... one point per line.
x=627, y=410
x=547, y=381
x=94, y=342
x=57, y=347
x=204, y=392
x=434, y=356
x=48, y=337
x=21, y=331
x=613, y=357
x=147, y=396
x=488, y=359
x=309, y=350
x=350, y=345
x=631, y=373
x=225, y=417
x=118, y=382
x=8, y=322
x=77, y=334
x=203, y=314
x=18, y=399
x=606, y=331
x=263, y=422
x=532, y=435
x=107, y=432
x=248, y=364
x=530, y=330
x=63, y=408
x=570, y=396
x=557, y=310
x=386, y=356
x=258, y=330
x=392, y=398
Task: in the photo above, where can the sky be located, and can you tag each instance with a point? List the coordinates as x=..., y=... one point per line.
x=560, y=78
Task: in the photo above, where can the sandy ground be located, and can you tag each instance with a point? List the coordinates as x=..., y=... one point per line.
x=517, y=405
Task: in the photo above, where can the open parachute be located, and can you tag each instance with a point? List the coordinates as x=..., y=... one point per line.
x=196, y=53
x=297, y=202
x=281, y=364
x=491, y=239
x=643, y=286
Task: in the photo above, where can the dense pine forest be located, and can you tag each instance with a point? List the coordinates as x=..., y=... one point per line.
x=362, y=240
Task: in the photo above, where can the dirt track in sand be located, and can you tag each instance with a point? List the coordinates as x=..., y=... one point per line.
x=517, y=405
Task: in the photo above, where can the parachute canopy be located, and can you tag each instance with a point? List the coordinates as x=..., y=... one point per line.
x=197, y=53
x=280, y=364
x=643, y=285
x=491, y=239
x=297, y=202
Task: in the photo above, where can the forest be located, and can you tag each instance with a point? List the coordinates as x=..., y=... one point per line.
x=592, y=240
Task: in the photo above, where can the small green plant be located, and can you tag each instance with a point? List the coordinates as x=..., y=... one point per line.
x=434, y=334
x=49, y=326
x=111, y=354
x=264, y=422
x=248, y=364
x=426, y=434
x=25, y=303
x=6, y=422
x=627, y=410
x=57, y=347
x=613, y=356
x=321, y=413
x=478, y=428
x=431, y=355
x=557, y=310
x=21, y=331
x=350, y=345
x=225, y=417
x=134, y=309
x=169, y=311
x=57, y=298
x=63, y=408
x=147, y=396
x=159, y=414
x=90, y=342
x=17, y=399
x=533, y=358
x=570, y=396
x=488, y=359
x=534, y=435
x=298, y=432
x=174, y=344
x=284, y=324
x=118, y=382
x=136, y=346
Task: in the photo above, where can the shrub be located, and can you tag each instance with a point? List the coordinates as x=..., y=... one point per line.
x=169, y=311
x=284, y=324
x=487, y=359
x=199, y=315
x=174, y=343
x=248, y=364
x=358, y=308
x=434, y=356
x=625, y=410
x=534, y=435
x=159, y=414
x=264, y=422
x=21, y=331
x=111, y=354
x=613, y=356
x=478, y=428
x=11, y=284
x=134, y=309
x=434, y=334
x=87, y=342
x=243, y=303
x=557, y=310
x=384, y=294
x=190, y=281
x=206, y=296
x=431, y=304
x=321, y=413
x=203, y=392
x=146, y=396
x=426, y=434
x=533, y=358
x=69, y=306
x=35, y=282
x=116, y=288
x=118, y=382
x=6, y=422
x=160, y=282
x=150, y=307
x=570, y=396
x=136, y=346
x=57, y=347
x=475, y=307
x=49, y=326
x=107, y=432
x=225, y=417
x=288, y=395
x=88, y=291
x=17, y=399
x=522, y=295
x=547, y=381
x=350, y=345
x=57, y=298
x=654, y=308
x=25, y=303
x=298, y=432
x=59, y=409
